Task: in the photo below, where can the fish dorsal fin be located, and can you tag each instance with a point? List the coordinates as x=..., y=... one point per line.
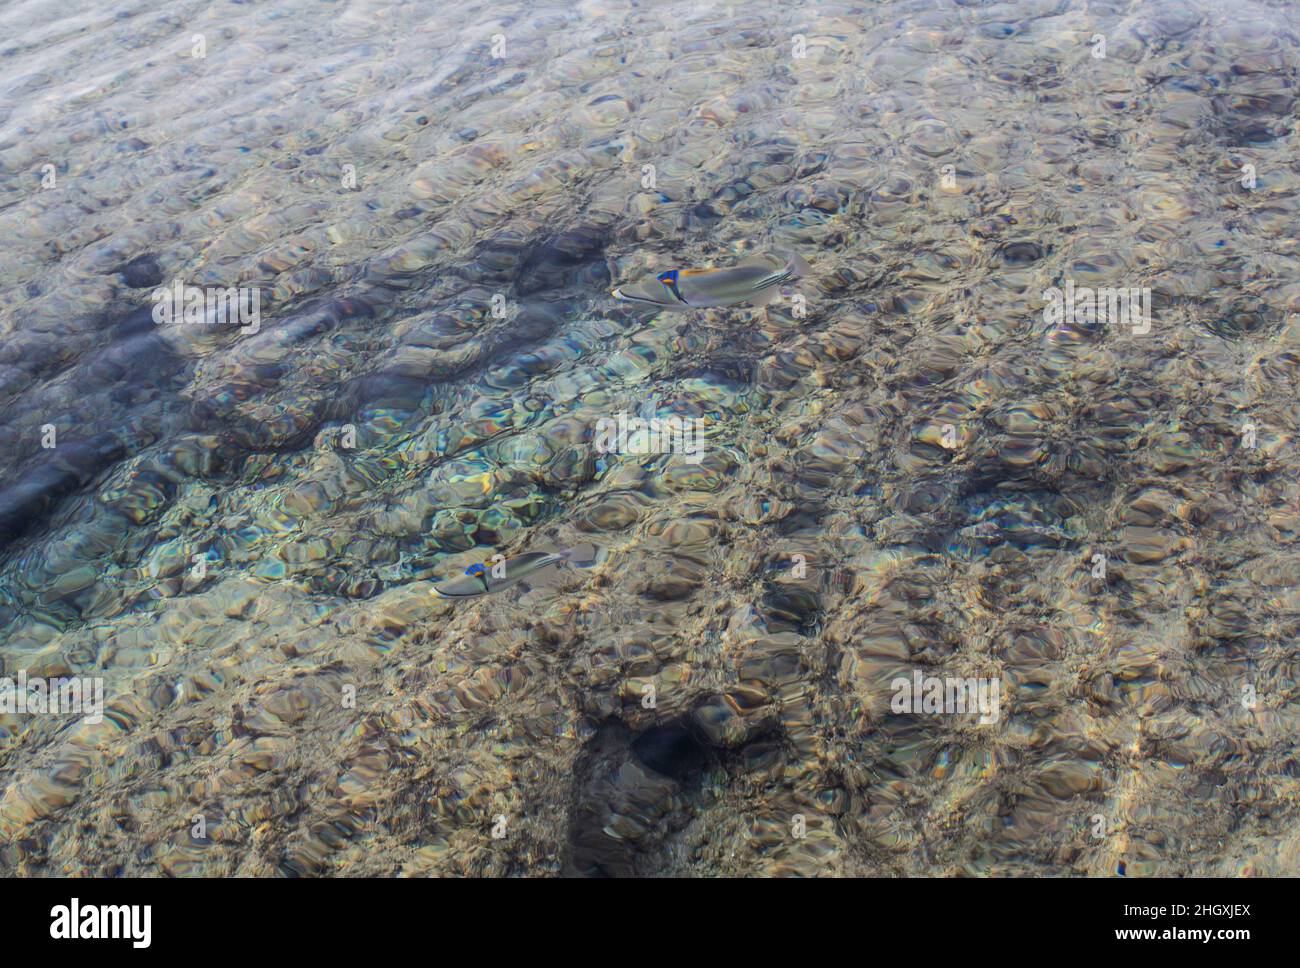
x=753, y=262
x=761, y=261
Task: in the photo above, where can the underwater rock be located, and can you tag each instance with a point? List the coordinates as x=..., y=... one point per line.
x=142, y=272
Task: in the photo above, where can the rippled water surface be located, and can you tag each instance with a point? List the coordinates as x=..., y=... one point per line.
x=909, y=463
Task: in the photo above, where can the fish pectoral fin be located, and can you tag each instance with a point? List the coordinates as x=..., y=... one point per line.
x=764, y=296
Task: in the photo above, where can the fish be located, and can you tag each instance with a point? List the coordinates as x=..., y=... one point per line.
x=756, y=281
x=495, y=576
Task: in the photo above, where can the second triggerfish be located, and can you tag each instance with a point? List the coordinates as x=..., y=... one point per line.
x=756, y=281
x=490, y=577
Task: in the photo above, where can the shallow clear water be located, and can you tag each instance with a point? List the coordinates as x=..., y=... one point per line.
x=909, y=464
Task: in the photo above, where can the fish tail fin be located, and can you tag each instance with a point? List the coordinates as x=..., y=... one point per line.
x=794, y=268
x=580, y=556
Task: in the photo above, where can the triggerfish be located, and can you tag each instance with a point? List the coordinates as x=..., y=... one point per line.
x=756, y=281
x=498, y=575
